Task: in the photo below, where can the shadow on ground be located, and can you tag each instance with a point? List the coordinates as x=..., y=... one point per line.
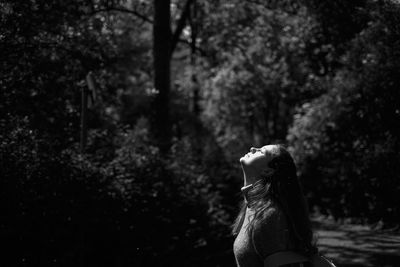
x=350, y=245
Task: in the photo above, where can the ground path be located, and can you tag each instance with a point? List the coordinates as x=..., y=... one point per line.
x=351, y=245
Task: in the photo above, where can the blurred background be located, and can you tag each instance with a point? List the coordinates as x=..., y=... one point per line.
x=122, y=121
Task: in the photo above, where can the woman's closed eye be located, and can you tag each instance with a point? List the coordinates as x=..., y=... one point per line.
x=254, y=150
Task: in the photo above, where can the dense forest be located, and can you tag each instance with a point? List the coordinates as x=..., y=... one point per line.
x=122, y=121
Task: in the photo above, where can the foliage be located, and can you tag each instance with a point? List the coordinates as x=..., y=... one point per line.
x=346, y=140
x=119, y=203
x=147, y=182
x=54, y=204
x=259, y=72
x=138, y=208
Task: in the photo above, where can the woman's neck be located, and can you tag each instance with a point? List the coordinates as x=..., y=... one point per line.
x=248, y=178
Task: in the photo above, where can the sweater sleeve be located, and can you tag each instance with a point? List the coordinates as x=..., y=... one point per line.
x=271, y=234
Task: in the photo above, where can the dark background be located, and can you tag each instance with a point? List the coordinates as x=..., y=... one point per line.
x=121, y=122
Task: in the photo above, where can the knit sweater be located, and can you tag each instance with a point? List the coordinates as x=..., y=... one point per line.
x=269, y=235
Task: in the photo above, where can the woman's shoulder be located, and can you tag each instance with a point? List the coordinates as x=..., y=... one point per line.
x=272, y=216
x=271, y=231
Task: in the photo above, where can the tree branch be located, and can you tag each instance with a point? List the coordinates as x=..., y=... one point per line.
x=176, y=35
x=198, y=49
x=180, y=25
x=124, y=10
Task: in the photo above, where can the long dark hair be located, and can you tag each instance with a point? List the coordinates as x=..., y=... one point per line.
x=280, y=186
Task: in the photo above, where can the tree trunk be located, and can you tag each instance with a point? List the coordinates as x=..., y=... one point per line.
x=267, y=115
x=276, y=116
x=195, y=107
x=83, y=133
x=161, y=55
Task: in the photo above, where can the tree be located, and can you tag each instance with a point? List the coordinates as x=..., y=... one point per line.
x=164, y=44
x=161, y=55
x=346, y=140
x=254, y=70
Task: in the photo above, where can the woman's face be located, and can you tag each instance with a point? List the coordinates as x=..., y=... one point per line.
x=257, y=159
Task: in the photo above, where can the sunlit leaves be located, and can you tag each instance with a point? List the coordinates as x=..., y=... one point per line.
x=345, y=140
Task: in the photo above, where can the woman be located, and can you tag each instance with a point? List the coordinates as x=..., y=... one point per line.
x=274, y=215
